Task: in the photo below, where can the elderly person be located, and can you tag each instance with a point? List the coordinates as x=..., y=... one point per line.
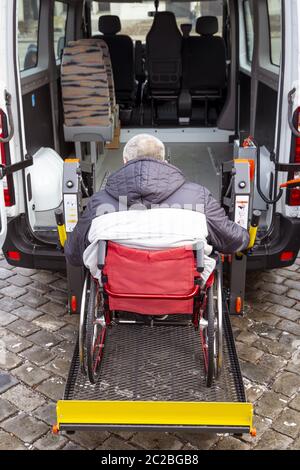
x=146, y=179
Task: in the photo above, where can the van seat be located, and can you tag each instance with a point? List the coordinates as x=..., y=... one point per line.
x=85, y=94
x=121, y=51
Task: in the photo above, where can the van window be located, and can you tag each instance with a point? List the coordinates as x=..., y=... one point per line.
x=274, y=8
x=135, y=20
x=28, y=28
x=249, y=29
x=59, y=27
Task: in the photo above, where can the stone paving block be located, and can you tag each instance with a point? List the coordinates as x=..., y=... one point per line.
x=261, y=424
x=280, y=300
x=13, y=291
x=16, y=344
x=32, y=300
x=273, y=347
x=199, y=441
x=273, y=277
x=290, y=327
x=265, y=317
x=284, y=312
x=27, y=313
x=289, y=340
x=9, y=442
x=44, y=339
x=7, y=381
x=25, y=271
x=5, y=273
x=65, y=349
x=6, y=409
x=272, y=362
x=271, y=404
x=4, y=264
x=231, y=443
x=53, y=388
x=261, y=375
x=37, y=355
x=294, y=364
x=50, y=442
x=8, y=360
x=46, y=413
x=115, y=443
x=69, y=332
x=49, y=323
x=287, y=383
x=39, y=289
x=89, y=439
x=273, y=287
x=288, y=423
x=57, y=296
x=22, y=328
x=288, y=274
x=295, y=445
x=25, y=427
x=53, y=308
x=247, y=337
x=45, y=277
x=24, y=398
x=59, y=366
x=272, y=440
x=9, y=305
x=294, y=294
x=248, y=353
x=292, y=284
x=60, y=284
x=72, y=446
x=6, y=318
x=156, y=440
x=253, y=391
x=19, y=280
x=265, y=331
x=30, y=374
x=295, y=403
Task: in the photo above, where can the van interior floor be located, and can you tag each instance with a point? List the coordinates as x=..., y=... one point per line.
x=199, y=162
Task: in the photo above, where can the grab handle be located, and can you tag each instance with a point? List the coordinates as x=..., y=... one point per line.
x=5, y=140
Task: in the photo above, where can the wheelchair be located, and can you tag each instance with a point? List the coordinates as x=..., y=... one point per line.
x=156, y=285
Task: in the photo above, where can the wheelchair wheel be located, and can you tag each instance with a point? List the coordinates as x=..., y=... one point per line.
x=95, y=330
x=82, y=321
x=212, y=337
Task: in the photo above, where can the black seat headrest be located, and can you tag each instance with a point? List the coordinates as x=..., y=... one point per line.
x=165, y=20
x=186, y=28
x=109, y=24
x=207, y=25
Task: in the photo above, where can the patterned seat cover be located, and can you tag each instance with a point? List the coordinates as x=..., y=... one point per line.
x=85, y=91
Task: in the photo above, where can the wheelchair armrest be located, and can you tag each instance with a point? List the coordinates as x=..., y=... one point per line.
x=101, y=254
x=200, y=257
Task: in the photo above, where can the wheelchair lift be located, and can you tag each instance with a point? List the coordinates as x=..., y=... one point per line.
x=150, y=376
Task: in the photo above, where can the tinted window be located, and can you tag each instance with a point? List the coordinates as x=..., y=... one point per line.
x=135, y=20
x=274, y=7
x=59, y=27
x=249, y=29
x=28, y=28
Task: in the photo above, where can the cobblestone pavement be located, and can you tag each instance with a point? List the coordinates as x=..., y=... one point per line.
x=37, y=339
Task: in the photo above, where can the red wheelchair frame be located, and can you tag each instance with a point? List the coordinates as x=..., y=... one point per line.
x=121, y=266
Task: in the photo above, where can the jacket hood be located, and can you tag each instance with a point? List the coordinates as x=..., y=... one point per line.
x=145, y=181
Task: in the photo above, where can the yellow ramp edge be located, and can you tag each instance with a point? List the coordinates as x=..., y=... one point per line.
x=154, y=413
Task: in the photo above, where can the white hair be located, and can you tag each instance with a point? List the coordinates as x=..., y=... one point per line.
x=143, y=145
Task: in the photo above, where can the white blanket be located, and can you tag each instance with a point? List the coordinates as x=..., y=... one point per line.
x=149, y=229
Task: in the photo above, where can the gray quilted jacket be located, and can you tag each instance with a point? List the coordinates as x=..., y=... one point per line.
x=152, y=183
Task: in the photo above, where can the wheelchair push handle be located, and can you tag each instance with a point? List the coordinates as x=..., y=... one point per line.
x=200, y=257
x=101, y=254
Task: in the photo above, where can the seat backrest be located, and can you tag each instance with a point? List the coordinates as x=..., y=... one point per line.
x=107, y=63
x=121, y=51
x=154, y=272
x=163, y=52
x=206, y=57
x=84, y=82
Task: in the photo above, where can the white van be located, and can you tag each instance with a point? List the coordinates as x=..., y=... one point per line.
x=201, y=105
